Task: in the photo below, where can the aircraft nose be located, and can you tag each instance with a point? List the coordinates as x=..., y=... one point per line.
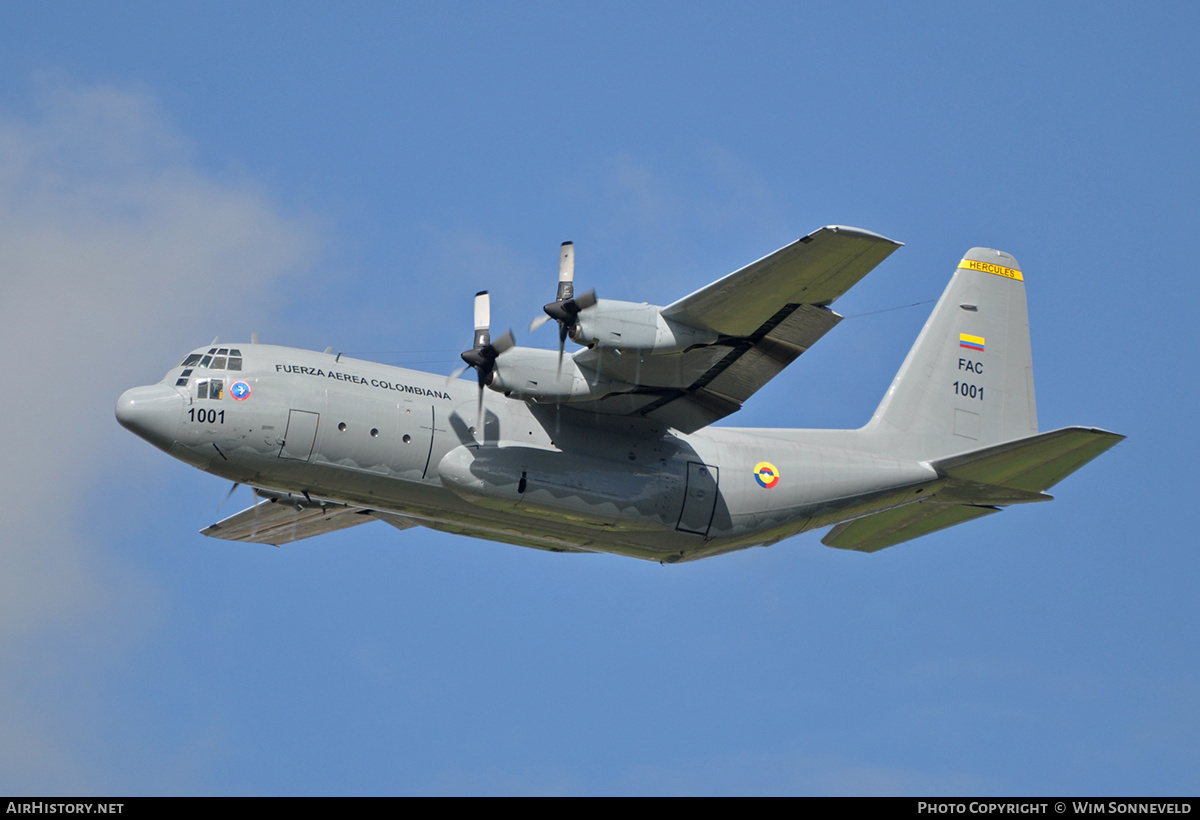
x=151, y=412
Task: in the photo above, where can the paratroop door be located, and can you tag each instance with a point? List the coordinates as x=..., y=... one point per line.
x=699, y=500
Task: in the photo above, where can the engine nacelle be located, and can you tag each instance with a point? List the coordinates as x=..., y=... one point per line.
x=533, y=374
x=635, y=326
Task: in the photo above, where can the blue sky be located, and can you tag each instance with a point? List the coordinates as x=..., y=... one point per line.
x=349, y=175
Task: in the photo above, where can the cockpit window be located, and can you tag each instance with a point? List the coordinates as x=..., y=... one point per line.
x=183, y=378
x=210, y=388
x=225, y=358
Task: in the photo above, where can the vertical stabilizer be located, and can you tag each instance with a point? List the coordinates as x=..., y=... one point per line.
x=968, y=381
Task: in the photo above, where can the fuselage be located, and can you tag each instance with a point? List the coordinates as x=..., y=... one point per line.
x=411, y=443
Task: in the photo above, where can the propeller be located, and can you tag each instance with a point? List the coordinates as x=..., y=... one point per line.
x=483, y=355
x=566, y=307
x=228, y=496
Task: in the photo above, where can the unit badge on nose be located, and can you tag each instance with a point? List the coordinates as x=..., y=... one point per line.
x=766, y=475
x=240, y=391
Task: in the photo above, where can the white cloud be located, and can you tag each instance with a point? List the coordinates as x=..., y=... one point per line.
x=115, y=249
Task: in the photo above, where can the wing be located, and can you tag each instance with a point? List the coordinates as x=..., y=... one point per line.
x=814, y=270
x=285, y=519
x=764, y=316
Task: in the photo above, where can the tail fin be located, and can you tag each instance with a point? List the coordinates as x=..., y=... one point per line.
x=968, y=381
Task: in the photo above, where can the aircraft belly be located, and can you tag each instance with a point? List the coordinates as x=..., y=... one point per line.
x=433, y=505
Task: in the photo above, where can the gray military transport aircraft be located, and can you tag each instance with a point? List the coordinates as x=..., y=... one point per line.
x=609, y=449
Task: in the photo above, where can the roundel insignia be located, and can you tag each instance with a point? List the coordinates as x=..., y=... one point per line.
x=766, y=475
x=240, y=391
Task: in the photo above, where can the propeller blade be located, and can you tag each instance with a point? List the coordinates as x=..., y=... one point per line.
x=584, y=301
x=503, y=343
x=562, y=343
x=228, y=495
x=566, y=272
x=538, y=322
x=483, y=319
x=457, y=372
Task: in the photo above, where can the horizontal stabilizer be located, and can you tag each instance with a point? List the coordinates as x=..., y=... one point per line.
x=277, y=522
x=979, y=482
x=1030, y=464
x=890, y=527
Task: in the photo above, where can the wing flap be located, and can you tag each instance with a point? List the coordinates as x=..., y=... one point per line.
x=748, y=368
x=890, y=527
x=814, y=270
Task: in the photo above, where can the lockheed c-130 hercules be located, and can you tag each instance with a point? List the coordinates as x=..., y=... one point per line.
x=609, y=449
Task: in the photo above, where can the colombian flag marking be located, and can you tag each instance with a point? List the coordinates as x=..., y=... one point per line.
x=970, y=342
x=766, y=475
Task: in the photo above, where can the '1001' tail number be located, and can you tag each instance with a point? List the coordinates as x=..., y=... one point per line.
x=970, y=391
x=206, y=415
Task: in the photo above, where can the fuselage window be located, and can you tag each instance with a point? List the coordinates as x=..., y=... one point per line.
x=202, y=389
